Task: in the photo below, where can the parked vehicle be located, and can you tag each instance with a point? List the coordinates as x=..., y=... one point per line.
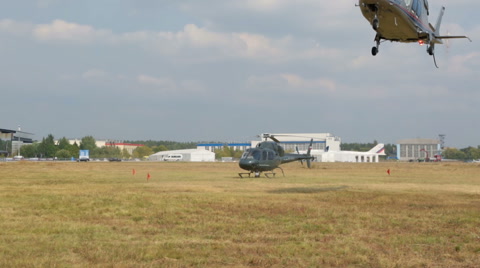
x=84, y=156
x=173, y=157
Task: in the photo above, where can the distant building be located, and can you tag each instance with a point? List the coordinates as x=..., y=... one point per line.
x=218, y=146
x=17, y=137
x=188, y=155
x=290, y=142
x=99, y=144
x=293, y=141
x=130, y=147
x=415, y=149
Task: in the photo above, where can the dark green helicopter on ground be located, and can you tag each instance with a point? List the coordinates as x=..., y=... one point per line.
x=268, y=156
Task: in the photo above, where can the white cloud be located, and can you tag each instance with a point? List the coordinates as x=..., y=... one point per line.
x=199, y=37
x=60, y=30
x=159, y=83
x=191, y=43
x=191, y=37
x=218, y=44
x=165, y=84
x=292, y=83
x=465, y=64
x=265, y=5
x=94, y=74
x=319, y=7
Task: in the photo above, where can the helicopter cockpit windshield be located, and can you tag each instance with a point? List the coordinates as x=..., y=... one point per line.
x=257, y=154
x=253, y=154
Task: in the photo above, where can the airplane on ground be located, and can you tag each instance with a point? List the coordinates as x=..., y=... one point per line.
x=404, y=21
x=268, y=156
x=350, y=156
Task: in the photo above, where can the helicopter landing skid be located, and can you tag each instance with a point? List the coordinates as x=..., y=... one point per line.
x=241, y=174
x=257, y=174
x=271, y=173
x=283, y=173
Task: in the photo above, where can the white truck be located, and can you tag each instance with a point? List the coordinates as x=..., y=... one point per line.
x=84, y=156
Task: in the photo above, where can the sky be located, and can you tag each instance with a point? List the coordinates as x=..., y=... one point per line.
x=228, y=70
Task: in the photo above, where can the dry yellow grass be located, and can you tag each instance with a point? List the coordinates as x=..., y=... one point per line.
x=202, y=214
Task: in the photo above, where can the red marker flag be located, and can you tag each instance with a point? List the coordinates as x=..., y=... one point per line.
x=148, y=176
x=388, y=171
x=134, y=172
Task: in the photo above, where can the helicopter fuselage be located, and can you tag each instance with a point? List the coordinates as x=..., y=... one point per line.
x=398, y=20
x=260, y=160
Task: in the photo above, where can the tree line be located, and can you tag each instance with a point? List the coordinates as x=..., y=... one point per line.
x=464, y=154
x=62, y=149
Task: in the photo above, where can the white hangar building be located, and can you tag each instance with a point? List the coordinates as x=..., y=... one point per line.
x=290, y=142
x=372, y=156
x=189, y=155
x=414, y=149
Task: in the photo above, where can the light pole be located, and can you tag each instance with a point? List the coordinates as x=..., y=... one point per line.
x=18, y=144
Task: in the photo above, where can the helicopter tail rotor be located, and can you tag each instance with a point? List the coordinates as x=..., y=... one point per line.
x=298, y=152
x=309, y=155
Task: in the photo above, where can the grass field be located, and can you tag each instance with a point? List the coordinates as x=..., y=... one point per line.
x=203, y=215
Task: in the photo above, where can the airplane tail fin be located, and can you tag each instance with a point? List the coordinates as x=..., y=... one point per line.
x=379, y=149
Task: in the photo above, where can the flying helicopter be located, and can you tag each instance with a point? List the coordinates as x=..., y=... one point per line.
x=268, y=156
x=404, y=21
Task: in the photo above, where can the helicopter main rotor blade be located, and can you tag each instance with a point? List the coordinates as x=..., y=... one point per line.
x=274, y=139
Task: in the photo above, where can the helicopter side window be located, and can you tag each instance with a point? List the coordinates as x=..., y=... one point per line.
x=417, y=7
x=256, y=154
